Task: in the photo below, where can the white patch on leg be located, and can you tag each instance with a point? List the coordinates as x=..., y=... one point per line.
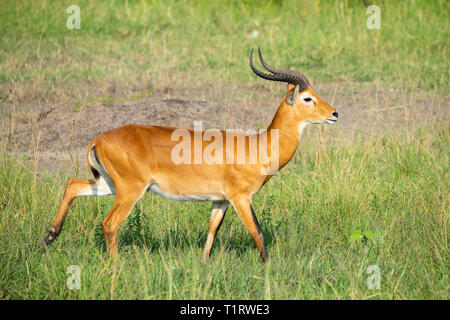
x=219, y=205
x=101, y=188
x=50, y=236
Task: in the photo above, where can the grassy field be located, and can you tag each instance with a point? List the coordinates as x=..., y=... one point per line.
x=394, y=192
x=143, y=45
x=347, y=201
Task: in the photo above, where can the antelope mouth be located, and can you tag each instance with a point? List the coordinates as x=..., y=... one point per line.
x=331, y=120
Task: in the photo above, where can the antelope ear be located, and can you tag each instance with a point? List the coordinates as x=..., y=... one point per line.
x=292, y=94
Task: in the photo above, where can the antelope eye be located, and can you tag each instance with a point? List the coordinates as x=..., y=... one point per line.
x=308, y=99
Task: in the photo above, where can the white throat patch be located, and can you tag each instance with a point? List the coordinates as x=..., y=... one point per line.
x=302, y=126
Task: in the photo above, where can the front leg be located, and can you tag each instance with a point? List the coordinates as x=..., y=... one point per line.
x=243, y=207
x=217, y=213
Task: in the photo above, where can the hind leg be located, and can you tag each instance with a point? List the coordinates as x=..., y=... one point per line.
x=122, y=207
x=75, y=188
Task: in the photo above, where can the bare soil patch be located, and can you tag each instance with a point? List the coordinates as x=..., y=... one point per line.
x=57, y=136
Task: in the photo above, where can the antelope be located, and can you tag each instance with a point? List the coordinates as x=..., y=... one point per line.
x=134, y=159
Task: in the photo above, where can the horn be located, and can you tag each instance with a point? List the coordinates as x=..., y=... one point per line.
x=289, y=76
x=265, y=65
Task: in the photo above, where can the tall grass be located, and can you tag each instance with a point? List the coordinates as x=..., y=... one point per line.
x=395, y=189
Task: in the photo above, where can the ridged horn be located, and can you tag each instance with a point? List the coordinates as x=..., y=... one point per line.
x=290, y=76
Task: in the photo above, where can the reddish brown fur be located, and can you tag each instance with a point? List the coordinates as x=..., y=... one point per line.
x=135, y=155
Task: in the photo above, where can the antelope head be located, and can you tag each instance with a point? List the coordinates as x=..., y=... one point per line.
x=300, y=103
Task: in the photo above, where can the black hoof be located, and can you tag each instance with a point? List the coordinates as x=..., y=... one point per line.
x=49, y=238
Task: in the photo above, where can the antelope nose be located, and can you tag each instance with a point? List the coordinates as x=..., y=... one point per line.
x=335, y=114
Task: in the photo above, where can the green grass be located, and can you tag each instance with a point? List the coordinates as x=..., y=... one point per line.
x=395, y=187
x=151, y=44
x=392, y=187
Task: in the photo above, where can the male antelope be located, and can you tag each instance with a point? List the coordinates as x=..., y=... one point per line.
x=134, y=159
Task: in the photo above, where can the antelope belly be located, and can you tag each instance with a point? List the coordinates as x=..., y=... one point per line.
x=155, y=189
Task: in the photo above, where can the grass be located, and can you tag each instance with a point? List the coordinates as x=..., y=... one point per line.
x=396, y=189
x=390, y=187
x=141, y=45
